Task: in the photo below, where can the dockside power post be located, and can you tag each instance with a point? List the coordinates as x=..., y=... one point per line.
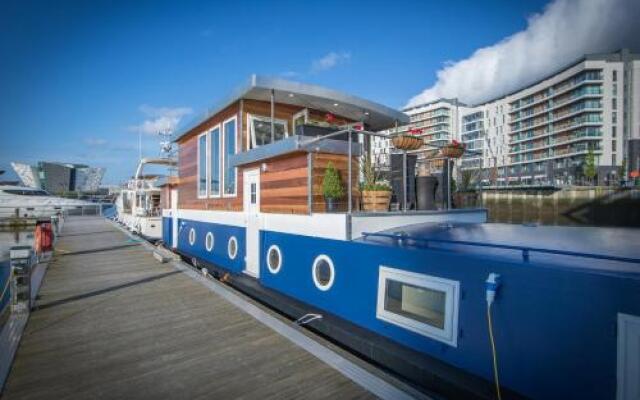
x=21, y=261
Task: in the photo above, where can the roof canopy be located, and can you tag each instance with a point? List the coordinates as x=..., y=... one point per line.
x=376, y=116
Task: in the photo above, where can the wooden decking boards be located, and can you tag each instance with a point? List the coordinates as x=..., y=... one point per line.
x=113, y=322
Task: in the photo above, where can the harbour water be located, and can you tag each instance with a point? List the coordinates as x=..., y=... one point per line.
x=571, y=206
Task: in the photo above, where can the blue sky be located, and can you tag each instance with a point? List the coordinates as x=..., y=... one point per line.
x=79, y=78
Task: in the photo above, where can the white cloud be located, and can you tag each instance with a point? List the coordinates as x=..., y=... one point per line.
x=565, y=31
x=329, y=61
x=160, y=119
x=290, y=74
x=95, y=142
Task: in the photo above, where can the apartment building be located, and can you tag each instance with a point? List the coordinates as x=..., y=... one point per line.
x=541, y=134
x=436, y=122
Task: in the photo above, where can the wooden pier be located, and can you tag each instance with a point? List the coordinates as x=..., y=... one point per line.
x=113, y=322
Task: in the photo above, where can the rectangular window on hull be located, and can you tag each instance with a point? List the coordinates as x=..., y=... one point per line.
x=229, y=150
x=421, y=303
x=214, y=183
x=202, y=165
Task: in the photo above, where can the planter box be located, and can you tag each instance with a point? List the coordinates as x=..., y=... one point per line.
x=376, y=200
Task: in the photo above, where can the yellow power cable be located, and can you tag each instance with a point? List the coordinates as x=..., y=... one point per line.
x=493, y=352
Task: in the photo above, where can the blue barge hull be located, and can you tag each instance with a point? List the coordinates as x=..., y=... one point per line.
x=554, y=317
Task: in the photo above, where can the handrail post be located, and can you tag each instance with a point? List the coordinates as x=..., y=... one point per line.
x=404, y=180
x=273, y=112
x=350, y=184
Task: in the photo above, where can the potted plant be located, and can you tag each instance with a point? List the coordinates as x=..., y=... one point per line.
x=332, y=188
x=408, y=141
x=454, y=149
x=376, y=195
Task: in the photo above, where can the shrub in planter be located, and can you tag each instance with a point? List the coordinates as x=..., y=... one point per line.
x=332, y=188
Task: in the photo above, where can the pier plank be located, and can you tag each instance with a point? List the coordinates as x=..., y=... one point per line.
x=112, y=322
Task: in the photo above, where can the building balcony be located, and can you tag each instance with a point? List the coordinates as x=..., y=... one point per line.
x=547, y=132
x=556, y=93
x=555, y=106
x=557, y=119
x=555, y=155
x=554, y=143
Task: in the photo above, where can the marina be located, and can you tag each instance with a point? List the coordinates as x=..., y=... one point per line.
x=239, y=255
x=249, y=200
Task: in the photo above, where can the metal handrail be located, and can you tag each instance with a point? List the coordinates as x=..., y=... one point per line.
x=526, y=250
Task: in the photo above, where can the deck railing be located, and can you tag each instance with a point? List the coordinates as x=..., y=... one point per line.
x=46, y=211
x=350, y=131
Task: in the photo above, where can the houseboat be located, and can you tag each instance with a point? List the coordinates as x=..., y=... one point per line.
x=454, y=305
x=138, y=205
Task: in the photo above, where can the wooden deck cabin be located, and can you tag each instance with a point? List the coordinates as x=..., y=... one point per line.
x=217, y=150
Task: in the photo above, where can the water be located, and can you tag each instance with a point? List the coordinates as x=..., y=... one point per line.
x=577, y=207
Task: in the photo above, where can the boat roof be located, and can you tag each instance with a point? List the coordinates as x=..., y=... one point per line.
x=375, y=115
x=563, y=246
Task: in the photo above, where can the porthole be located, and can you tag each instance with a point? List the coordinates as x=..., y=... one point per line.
x=208, y=241
x=232, y=247
x=192, y=236
x=323, y=272
x=274, y=259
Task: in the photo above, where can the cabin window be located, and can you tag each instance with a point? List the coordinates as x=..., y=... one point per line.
x=26, y=192
x=229, y=150
x=232, y=247
x=421, y=303
x=261, y=130
x=214, y=166
x=254, y=194
x=300, y=118
x=208, y=241
x=202, y=165
x=323, y=272
x=274, y=259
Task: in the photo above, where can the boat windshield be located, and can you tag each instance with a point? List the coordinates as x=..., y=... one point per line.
x=22, y=192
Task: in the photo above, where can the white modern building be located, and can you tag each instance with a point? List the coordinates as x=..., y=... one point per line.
x=436, y=122
x=56, y=177
x=541, y=134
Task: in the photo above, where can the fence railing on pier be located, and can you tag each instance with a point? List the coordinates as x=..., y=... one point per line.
x=46, y=211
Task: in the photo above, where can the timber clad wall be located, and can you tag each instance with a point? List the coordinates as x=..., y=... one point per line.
x=284, y=184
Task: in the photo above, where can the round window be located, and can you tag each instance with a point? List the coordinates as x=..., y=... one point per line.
x=232, y=247
x=192, y=236
x=208, y=241
x=274, y=259
x=323, y=272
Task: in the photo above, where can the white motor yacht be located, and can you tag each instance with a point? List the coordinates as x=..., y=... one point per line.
x=26, y=202
x=138, y=204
